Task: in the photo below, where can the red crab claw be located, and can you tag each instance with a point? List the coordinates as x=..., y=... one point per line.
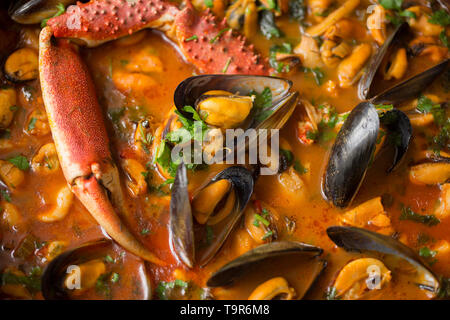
x=81, y=140
x=206, y=42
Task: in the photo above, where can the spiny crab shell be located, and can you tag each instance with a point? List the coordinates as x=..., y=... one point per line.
x=205, y=42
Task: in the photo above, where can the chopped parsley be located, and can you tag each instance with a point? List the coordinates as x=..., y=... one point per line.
x=444, y=39
x=227, y=65
x=209, y=3
x=279, y=66
x=267, y=235
x=32, y=281
x=299, y=167
x=32, y=124
x=192, y=129
x=194, y=37
x=259, y=219
x=60, y=10
x=5, y=195
x=440, y=17
x=398, y=13
x=288, y=156
x=262, y=104
x=109, y=259
x=219, y=34
x=319, y=74
x=115, y=277
x=103, y=286
x=425, y=105
x=428, y=255
x=20, y=162
x=145, y=232
x=428, y=220
x=165, y=288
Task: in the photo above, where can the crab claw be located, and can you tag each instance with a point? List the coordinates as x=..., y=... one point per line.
x=81, y=140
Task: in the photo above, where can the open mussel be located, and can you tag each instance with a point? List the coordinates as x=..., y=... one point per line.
x=392, y=254
x=34, y=11
x=226, y=97
x=272, y=283
x=76, y=272
x=354, y=149
x=432, y=170
x=390, y=61
x=216, y=207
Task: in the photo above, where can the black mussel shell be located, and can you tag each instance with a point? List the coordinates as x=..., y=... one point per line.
x=239, y=266
x=351, y=154
x=181, y=225
x=181, y=222
x=189, y=90
x=411, y=87
x=362, y=240
x=399, y=134
x=365, y=88
x=406, y=89
x=34, y=11
x=54, y=274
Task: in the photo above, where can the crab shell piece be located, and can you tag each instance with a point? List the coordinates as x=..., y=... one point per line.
x=205, y=42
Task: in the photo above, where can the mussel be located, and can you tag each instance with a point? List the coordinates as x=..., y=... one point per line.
x=431, y=170
x=406, y=89
x=191, y=92
x=216, y=215
x=394, y=254
x=259, y=264
x=34, y=11
x=354, y=149
x=84, y=266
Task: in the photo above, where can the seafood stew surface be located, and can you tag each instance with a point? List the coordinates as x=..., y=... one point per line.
x=359, y=207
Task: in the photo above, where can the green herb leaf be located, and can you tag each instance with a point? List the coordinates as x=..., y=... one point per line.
x=227, y=64
x=391, y=4
x=214, y=39
x=267, y=235
x=428, y=220
x=115, y=277
x=209, y=3
x=32, y=124
x=194, y=37
x=32, y=281
x=299, y=167
x=60, y=10
x=425, y=105
x=319, y=74
x=165, y=288
x=440, y=17
x=20, y=162
x=5, y=195
x=258, y=219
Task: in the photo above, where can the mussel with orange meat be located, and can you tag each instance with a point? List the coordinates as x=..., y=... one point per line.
x=216, y=208
x=384, y=258
x=83, y=271
x=380, y=83
x=267, y=282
